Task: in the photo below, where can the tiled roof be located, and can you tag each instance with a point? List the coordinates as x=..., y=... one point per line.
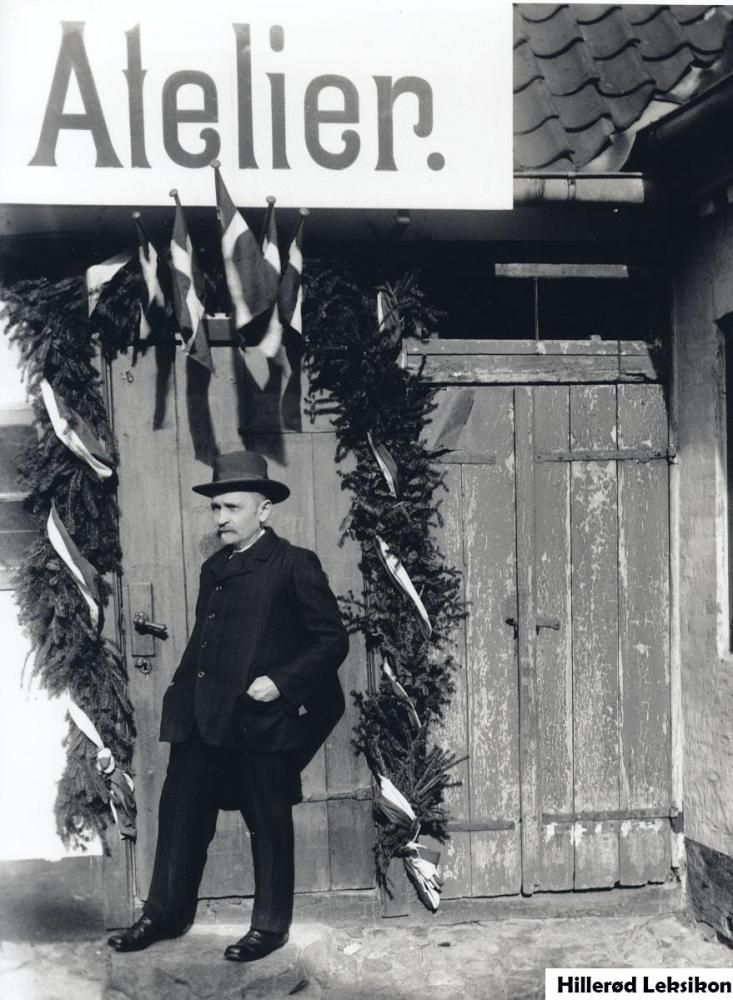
x=588, y=76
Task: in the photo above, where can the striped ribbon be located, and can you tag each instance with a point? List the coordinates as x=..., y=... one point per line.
x=386, y=463
x=84, y=574
x=400, y=576
x=121, y=785
x=75, y=433
x=400, y=693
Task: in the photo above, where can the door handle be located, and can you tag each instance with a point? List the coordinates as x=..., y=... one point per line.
x=146, y=627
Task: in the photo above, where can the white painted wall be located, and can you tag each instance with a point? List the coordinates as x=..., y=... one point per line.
x=32, y=725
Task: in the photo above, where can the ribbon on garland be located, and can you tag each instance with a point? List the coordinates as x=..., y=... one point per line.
x=121, y=785
x=386, y=463
x=75, y=433
x=421, y=863
x=399, y=692
x=84, y=574
x=400, y=576
x=389, y=322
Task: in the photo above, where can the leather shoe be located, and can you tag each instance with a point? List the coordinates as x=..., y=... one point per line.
x=255, y=944
x=142, y=933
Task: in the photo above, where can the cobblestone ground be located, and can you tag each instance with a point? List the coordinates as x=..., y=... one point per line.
x=486, y=960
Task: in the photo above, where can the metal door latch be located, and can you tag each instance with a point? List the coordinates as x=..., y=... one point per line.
x=146, y=627
x=540, y=621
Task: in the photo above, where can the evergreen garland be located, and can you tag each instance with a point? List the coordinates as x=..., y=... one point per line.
x=48, y=322
x=356, y=378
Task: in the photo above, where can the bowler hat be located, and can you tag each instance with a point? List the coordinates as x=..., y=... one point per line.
x=243, y=470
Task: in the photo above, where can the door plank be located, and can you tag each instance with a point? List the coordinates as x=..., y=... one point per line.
x=595, y=634
x=643, y=636
x=491, y=665
x=526, y=635
x=455, y=860
x=350, y=821
x=150, y=529
x=553, y=655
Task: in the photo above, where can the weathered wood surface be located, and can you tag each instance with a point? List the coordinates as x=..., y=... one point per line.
x=644, y=697
x=511, y=369
x=553, y=656
x=525, y=632
x=491, y=665
x=350, y=822
x=456, y=854
x=613, y=348
x=150, y=531
x=595, y=634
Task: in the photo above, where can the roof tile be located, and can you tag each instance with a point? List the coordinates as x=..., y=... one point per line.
x=608, y=37
x=569, y=74
x=625, y=74
x=533, y=106
x=584, y=74
x=547, y=146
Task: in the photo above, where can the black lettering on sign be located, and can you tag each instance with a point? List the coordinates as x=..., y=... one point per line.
x=173, y=116
x=387, y=94
x=72, y=58
x=315, y=116
x=135, y=75
x=244, y=97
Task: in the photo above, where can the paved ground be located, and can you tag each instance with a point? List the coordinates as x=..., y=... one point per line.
x=493, y=959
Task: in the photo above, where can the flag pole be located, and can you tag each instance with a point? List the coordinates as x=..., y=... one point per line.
x=271, y=199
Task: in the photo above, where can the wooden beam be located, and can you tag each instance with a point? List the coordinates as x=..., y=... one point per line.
x=549, y=369
x=615, y=348
x=554, y=271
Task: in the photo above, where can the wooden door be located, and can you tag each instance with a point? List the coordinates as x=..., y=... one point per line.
x=557, y=513
x=170, y=418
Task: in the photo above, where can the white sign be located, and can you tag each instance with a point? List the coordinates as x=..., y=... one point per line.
x=376, y=104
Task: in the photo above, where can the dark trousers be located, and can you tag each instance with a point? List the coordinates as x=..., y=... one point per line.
x=200, y=780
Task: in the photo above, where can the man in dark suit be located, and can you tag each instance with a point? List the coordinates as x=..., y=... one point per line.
x=255, y=695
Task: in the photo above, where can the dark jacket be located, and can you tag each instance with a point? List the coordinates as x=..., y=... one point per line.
x=268, y=610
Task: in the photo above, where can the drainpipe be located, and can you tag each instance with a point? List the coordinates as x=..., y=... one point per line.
x=597, y=189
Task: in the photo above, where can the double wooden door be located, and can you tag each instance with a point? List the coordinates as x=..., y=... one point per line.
x=557, y=512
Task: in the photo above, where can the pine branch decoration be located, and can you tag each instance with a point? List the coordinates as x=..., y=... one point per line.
x=48, y=323
x=355, y=377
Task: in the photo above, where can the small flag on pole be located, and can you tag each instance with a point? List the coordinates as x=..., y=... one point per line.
x=386, y=463
x=99, y=275
x=290, y=294
x=152, y=299
x=188, y=286
x=85, y=575
x=121, y=785
x=271, y=343
x=244, y=265
x=399, y=574
x=75, y=433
